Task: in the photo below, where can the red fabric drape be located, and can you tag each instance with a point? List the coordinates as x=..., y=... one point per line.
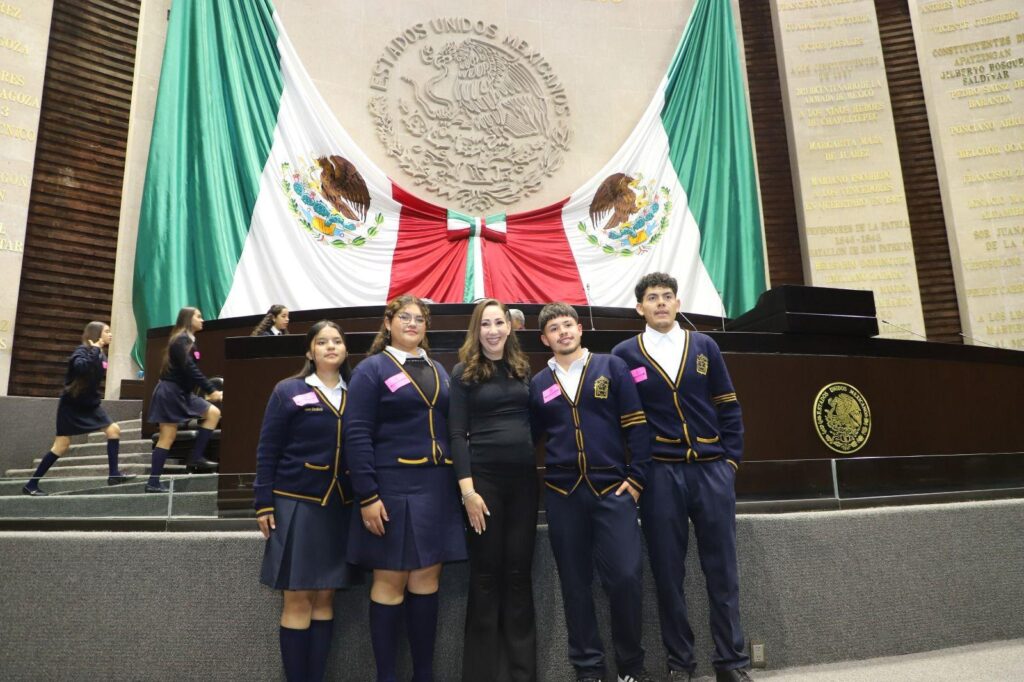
x=426, y=263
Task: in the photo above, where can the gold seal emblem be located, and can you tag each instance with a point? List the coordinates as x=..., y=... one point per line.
x=601, y=387
x=842, y=417
x=702, y=364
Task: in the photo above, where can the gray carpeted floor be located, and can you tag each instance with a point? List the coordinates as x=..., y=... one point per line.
x=988, y=662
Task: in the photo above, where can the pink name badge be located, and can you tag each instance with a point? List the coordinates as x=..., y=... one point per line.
x=195, y=354
x=306, y=399
x=397, y=381
x=639, y=374
x=551, y=393
x=104, y=364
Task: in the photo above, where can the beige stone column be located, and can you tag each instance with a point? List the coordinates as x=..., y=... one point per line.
x=851, y=208
x=972, y=68
x=148, y=58
x=24, y=38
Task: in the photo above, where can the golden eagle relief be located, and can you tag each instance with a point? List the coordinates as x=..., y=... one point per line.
x=343, y=187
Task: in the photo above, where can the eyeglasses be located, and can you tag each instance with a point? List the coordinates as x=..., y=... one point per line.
x=406, y=318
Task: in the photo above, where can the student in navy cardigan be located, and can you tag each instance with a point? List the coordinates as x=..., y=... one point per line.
x=303, y=500
x=587, y=406
x=79, y=410
x=697, y=441
x=274, y=323
x=174, y=402
x=410, y=522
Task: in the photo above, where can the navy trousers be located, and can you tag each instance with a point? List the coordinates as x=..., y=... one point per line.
x=705, y=493
x=587, y=531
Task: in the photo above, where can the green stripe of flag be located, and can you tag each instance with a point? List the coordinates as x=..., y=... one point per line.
x=220, y=87
x=705, y=118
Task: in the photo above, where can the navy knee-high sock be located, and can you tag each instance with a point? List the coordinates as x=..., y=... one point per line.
x=384, y=620
x=113, y=447
x=44, y=465
x=320, y=632
x=157, y=468
x=295, y=653
x=199, y=446
x=421, y=623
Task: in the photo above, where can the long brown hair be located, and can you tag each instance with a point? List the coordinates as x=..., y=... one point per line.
x=268, y=319
x=182, y=325
x=92, y=332
x=310, y=366
x=477, y=367
x=383, y=338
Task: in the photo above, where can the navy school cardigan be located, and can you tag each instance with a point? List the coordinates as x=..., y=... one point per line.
x=587, y=433
x=392, y=423
x=89, y=362
x=695, y=415
x=299, y=454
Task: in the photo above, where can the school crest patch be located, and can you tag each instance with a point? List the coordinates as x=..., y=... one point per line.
x=601, y=385
x=329, y=199
x=702, y=364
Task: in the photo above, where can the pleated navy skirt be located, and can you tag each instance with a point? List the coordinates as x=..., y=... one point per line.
x=425, y=524
x=74, y=419
x=171, y=405
x=307, y=550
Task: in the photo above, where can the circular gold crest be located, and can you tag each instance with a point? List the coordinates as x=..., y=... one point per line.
x=842, y=417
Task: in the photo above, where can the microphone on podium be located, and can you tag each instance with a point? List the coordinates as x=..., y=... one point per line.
x=590, y=308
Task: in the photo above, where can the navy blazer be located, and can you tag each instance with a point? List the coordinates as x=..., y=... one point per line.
x=89, y=362
x=695, y=415
x=299, y=454
x=585, y=432
x=392, y=423
x=182, y=368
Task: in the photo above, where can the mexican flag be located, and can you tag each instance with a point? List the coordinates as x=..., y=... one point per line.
x=255, y=193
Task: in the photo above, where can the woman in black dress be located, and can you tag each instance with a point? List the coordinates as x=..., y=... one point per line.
x=303, y=500
x=274, y=323
x=409, y=523
x=489, y=424
x=79, y=410
x=174, y=402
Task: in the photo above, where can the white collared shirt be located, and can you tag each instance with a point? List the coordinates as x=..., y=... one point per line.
x=402, y=356
x=275, y=331
x=570, y=379
x=666, y=349
x=332, y=394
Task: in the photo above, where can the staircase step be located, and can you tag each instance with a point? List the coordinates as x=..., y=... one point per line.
x=94, y=470
x=106, y=506
x=126, y=434
x=97, y=485
x=100, y=449
x=123, y=458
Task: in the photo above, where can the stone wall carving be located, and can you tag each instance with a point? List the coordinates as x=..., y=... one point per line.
x=473, y=117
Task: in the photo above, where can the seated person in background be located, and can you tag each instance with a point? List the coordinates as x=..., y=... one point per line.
x=518, y=319
x=274, y=323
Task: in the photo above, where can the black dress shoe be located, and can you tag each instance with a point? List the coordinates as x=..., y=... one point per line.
x=33, y=492
x=201, y=466
x=737, y=675
x=119, y=478
x=158, y=488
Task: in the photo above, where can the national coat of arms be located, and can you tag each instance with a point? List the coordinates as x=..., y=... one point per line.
x=472, y=122
x=628, y=215
x=330, y=200
x=842, y=417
